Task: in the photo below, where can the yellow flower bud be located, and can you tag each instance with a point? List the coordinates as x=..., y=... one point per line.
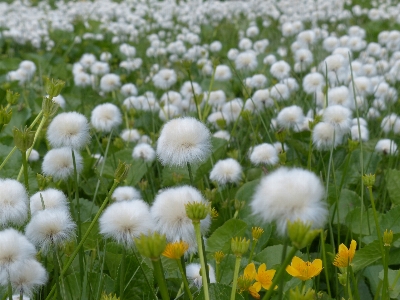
x=197, y=211
x=239, y=245
x=387, y=238
x=151, y=246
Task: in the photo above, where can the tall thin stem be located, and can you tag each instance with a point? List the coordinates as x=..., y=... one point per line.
x=235, y=277
x=184, y=279
x=202, y=260
x=159, y=275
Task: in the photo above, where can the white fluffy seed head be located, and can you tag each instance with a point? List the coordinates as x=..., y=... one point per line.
x=50, y=228
x=13, y=202
x=52, y=199
x=193, y=273
x=338, y=116
x=105, y=117
x=289, y=195
x=264, y=154
x=313, y=82
x=226, y=171
x=182, y=141
x=25, y=276
x=169, y=213
x=14, y=247
x=69, y=129
x=130, y=135
x=356, y=134
x=144, y=151
x=122, y=221
x=325, y=137
x=386, y=146
x=110, y=82
x=246, y=60
x=291, y=117
x=126, y=193
x=58, y=163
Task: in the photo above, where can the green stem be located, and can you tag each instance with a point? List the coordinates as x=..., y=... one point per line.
x=56, y=272
x=378, y=228
x=309, y=153
x=217, y=271
x=8, y=157
x=159, y=275
x=122, y=274
x=202, y=260
x=9, y=292
x=355, y=285
x=385, y=273
x=145, y=276
x=325, y=262
x=282, y=282
x=190, y=174
x=184, y=279
x=280, y=273
x=253, y=246
x=235, y=277
x=21, y=295
x=39, y=129
x=85, y=236
x=25, y=167
x=78, y=214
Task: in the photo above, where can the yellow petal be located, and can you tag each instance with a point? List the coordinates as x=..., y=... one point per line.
x=315, y=268
x=292, y=271
x=250, y=271
x=257, y=286
x=262, y=268
x=343, y=248
x=352, y=250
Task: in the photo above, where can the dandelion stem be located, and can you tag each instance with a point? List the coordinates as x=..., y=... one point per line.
x=85, y=236
x=159, y=275
x=9, y=288
x=25, y=167
x=235, y=277
x=56, y=272
x=8, y=157
x=190, y=174
x=204, y=276
x=280, y=273
x=253, y=246
x=325, y=262
x=122, y=274
x=184, y=279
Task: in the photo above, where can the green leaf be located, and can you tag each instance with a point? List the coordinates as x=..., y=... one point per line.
x=367, y=256
x=347, y=202
x=245, y=193
x=219, y=291
x=392, y=178
x=272, y=255
x=220, y=240
x=358, y=226
x=87, y=208
x=394, y=290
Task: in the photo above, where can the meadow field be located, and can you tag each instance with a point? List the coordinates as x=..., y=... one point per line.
x=199, y=149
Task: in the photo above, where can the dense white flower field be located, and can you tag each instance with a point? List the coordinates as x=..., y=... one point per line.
x=199, y=149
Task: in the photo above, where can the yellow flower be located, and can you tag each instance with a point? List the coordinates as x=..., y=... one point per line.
x=264, y=277
x=256, y=232
x=175, y=250
x=345, y=256
x=245, y=281
x=304, y=270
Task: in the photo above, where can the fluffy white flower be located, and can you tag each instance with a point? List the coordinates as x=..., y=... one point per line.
x=129, y=89
x=280, y=92
x=14, y=247
x=264, y=154
x=25, y=276
x=222, y=134
x=193, y=273
x=169, y=112
x=130, y=135
x=125, y=193
x=109, y=82
x=222, y=73
x=50, y=228
x=280, y=69
x=226, y=171
x=386, y=146
x=338, y=116
x=125, y=220
x=13, y=202
x=313, y=82
x=291, y=117
x=34, y=156
x=164, y=79
x=182, y=141
x=58, y=163
x=232, y=109
x=69, y=129
x=289, y=195
x=144, y=152
x=363, y=133
x=169, y=213
x=246, y=60
x=324, y=136
x=52, y=199
x=105, y=117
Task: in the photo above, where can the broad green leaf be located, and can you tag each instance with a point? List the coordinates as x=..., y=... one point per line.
x=221, y=238
x=348, y=201
x=86, y=208
x=392, y=178
x=366, y=256
x=219, y=291
x=371, y=274
x=362, y=226
x=272, y=255
x=394, y=283
x=245, y=193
